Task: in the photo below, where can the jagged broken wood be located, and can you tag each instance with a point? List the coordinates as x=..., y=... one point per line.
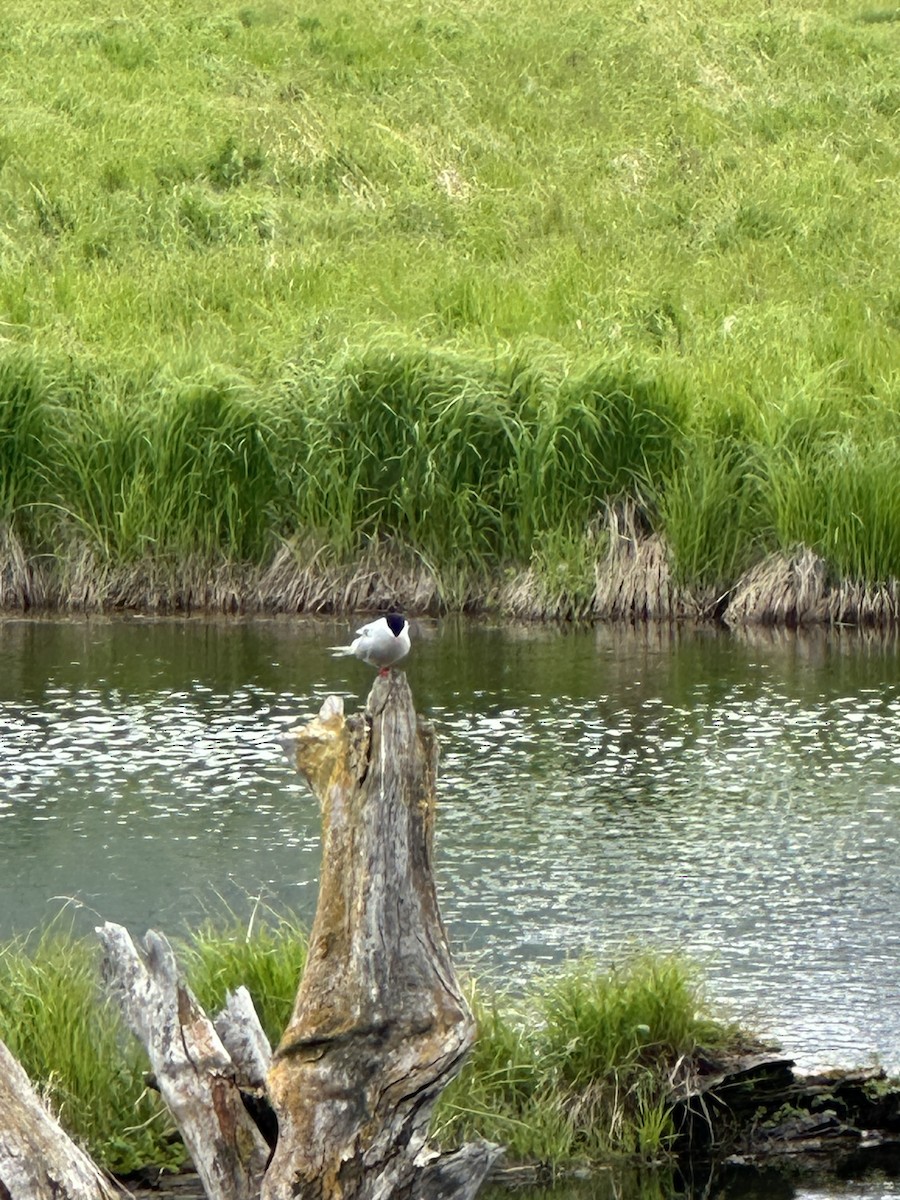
x=244, y=1038
x=38, y=1161
x=194, y=1072
x=380, y=1024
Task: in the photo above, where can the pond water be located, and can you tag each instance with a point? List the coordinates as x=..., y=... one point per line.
x=734, y=1183
x=737, y=797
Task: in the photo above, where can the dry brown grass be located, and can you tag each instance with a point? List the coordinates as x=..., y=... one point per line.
x=796, y=590
x=784, y=589
x=305, y=578
x=302, y=578
x=632, y=581
x=19, y=589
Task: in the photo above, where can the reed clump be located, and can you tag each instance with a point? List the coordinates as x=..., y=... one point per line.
x=583, y=1066
x=580, y=1067
x=439, y=480
x=396, y=453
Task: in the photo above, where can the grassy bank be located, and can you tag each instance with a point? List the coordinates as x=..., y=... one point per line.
x=228, y=183
x=78, y=1053
x=319, y=309
x=438, y=480
x=581, y=1068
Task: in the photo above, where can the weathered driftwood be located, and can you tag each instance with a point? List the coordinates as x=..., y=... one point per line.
x=38, y=1161
x=380, y=1023
x=194, y=1072
x=244, y=1039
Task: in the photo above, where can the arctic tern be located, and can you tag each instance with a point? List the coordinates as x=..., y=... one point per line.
x=381, y=643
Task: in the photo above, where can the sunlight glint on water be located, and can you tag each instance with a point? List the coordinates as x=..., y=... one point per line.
x=736, y=798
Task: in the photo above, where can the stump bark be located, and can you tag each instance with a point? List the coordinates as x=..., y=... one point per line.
x=380, y=1023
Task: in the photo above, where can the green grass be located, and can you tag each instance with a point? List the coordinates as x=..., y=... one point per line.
x=467, y=462
x=450, y=280
x=88, y=1066
x=77, y=1053
x=475, y=465
x=576, y=1070
x=267, y=957
x=580, y=1068
x=235, y=181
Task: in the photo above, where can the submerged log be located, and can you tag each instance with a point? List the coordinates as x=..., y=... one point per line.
x=38, y=1161
x=195, y=1074
x=380, y=1023
x=754, y=1107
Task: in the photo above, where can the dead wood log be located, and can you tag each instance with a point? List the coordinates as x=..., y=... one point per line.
x=244, y=1038
x=194, y=1072
x=38, y=1161
x=380, y=1023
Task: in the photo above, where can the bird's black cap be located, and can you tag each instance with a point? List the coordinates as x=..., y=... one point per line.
x=395, y=623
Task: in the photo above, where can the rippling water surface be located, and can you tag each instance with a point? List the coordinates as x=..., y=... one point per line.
x=737, y=797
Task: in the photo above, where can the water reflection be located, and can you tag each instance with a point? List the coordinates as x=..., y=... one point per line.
x=855, y=1180
x=737, y=796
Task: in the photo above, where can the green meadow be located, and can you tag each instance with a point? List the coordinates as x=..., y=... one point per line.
x=581, y=1068
x=443, y=284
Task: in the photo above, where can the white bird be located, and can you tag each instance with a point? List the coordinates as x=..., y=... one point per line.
x=381, y=643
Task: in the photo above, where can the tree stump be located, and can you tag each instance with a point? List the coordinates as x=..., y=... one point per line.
x=380, y=1024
